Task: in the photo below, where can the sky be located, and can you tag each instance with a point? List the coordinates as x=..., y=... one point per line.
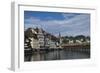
x=67, y=24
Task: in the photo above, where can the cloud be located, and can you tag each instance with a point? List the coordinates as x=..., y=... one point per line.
x=71, y=25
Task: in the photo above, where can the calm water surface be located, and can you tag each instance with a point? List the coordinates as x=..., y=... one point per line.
x=57, y=55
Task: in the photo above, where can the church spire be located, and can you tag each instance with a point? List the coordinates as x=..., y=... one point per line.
x=60, y=40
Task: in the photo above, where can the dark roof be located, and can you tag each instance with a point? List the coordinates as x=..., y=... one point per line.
x=28, y=33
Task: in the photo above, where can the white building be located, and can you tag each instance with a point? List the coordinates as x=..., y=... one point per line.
x=34, y=43
x=40, y=39
x=71, y=41
x=40, y=36
x=78, y=41
x=53, y=44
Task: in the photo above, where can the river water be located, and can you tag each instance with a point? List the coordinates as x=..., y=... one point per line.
x=57, y=55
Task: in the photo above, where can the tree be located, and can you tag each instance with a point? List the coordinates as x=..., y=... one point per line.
x=65, y=40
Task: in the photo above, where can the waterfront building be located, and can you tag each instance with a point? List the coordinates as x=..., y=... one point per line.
x=53, y=44
x=32, y=36
x=71, y=41
x=27, y=43
x=40, y=36
x=47, y=41
x=78, y=41
x=34, y=43
x=88, y=41
x=41, y=39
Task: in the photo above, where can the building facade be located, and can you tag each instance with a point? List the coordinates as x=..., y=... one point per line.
x=41, y=39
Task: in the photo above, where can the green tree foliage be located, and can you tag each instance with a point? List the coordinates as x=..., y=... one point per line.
x=74, y=38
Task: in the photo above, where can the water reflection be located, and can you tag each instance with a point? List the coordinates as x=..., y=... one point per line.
x=57, y=55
